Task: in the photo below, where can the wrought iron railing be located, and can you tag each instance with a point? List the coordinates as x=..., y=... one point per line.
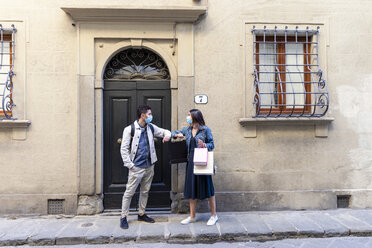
x=287, y=78
x=7, y=54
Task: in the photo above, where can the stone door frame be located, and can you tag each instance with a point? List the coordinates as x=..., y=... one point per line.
x=98, y=42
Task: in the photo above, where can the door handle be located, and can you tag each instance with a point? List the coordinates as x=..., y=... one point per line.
x=119, y=141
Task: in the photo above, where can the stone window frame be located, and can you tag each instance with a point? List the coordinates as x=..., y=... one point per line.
x=248, y=121
x=19, y=124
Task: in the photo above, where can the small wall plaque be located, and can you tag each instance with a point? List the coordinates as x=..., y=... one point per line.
x=201, y=99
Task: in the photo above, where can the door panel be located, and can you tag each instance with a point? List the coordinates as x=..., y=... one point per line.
x=159, y=101
x=118, y=106
x=120, y=111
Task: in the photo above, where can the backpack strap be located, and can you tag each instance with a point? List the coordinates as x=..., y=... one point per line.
x=132, y=129
x=152, y=128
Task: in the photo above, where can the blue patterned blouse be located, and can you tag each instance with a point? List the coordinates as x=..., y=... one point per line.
x=204, y=134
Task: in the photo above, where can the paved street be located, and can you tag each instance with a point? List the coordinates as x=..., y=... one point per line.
x=339, y=242
x=232, y=227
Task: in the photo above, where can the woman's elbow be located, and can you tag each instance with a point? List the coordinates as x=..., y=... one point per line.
x=210, y=147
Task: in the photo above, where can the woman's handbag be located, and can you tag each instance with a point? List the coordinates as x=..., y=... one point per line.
x=205, y=170
x=177, y=151
x=200, y=156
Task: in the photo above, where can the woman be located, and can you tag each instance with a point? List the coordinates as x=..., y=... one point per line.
x=197, y=186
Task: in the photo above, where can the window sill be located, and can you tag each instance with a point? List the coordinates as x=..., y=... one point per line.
x=14, y=123
x=321, y=124
x=19, y=128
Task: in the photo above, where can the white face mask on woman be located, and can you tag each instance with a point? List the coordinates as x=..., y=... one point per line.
x=188, y=120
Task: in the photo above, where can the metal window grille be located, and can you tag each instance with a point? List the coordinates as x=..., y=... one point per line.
x=136, y=64
x=55, y=206
x=7, y=54
x=343, y=201
x=287, y=78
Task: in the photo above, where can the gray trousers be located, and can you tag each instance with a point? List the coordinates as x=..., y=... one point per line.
x=137, y=176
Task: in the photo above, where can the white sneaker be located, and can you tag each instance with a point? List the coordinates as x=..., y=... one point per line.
x=188, y=220
x=212, y=220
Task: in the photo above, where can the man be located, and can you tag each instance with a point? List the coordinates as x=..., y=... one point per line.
x=139, y=156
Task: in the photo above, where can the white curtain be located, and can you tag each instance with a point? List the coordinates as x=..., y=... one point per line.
x=4, y=68
x=267, y=74
x=295, y=77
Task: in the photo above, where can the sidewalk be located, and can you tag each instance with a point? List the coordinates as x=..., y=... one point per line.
x=232, y=226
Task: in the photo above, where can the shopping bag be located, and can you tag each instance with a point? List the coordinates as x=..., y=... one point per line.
x=201, y=156
x=177, y=152
x=205, y=170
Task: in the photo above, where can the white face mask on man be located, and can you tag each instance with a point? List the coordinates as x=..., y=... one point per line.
x=149, y=119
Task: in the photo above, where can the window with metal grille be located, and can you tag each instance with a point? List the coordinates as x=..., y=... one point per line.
x=7, y=53
x=287, y=78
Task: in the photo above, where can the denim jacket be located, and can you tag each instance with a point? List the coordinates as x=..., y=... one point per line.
x=204, y=134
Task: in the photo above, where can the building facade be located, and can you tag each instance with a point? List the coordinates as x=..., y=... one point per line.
x=285, y=86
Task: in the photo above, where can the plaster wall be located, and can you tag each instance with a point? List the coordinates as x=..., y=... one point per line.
x=41, y=163
x=288, y=160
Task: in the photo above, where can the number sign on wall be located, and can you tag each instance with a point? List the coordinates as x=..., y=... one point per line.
x=201, y=99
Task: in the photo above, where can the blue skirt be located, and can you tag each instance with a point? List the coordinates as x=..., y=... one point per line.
x=196, y=186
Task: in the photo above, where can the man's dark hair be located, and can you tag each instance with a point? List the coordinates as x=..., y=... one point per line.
x=197, y=117
x=142, y=109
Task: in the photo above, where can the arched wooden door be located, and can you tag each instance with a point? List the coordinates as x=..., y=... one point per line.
x=134, y=77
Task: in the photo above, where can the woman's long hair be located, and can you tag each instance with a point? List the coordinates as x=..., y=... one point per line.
x=197, y=117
